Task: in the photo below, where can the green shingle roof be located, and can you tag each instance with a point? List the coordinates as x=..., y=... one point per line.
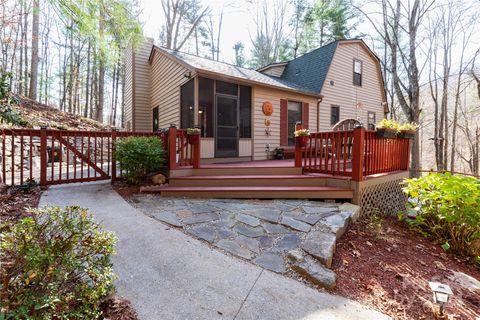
x=310, y=70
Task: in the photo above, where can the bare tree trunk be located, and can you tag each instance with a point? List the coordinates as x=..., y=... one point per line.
x=101, y=73
x=87, y=85
x=32, y=94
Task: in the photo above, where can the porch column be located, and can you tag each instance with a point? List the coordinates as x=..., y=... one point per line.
x=358, y=153
x=195, y=101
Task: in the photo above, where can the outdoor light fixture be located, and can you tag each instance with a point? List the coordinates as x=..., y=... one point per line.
x=441, y=294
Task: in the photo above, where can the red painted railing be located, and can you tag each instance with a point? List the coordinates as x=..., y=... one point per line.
x=181, y=153
x=356, y=153
x=58, y=156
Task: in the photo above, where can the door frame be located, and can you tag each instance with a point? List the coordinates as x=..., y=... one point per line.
x=228, y=96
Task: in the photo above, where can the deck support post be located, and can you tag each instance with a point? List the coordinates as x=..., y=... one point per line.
x=358, y=153
x=196, y=155
x=172, y=147
x=43, y=155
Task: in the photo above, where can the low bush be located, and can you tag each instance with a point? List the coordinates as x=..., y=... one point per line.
x=446, y=209
x=55, y=265
x=7, y=114
x=139, y=156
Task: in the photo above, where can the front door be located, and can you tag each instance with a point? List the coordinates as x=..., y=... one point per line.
x=226, y=144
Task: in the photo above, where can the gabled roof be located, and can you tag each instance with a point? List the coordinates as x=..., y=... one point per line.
x=204, y=65
x=310, y=70
x=272, y=65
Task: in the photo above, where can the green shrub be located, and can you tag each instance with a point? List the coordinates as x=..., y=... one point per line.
x=447, y=209
x=55, y=265
x=139, y=156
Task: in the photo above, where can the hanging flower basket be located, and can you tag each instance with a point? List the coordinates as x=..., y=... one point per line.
x=407, y=134
x=386, y=133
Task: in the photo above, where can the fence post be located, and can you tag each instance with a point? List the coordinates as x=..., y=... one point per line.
x=114, y=160
x=43, y=156
x=172, y=147
x=298, y=155
x=358, y=153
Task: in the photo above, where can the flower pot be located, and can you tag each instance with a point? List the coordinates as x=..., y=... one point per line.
x=193, y=138
x=386, y=133
x=407, y=134
x=301, y=141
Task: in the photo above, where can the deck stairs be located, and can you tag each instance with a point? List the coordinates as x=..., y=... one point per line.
x=253, y=182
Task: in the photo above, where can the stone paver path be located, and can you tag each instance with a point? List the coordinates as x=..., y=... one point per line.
x=278, y=235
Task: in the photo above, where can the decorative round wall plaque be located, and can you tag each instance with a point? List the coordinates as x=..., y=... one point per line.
x=267, y=108
x=267, y=122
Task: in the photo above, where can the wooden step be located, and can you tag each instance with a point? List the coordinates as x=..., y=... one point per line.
x=254, y=192
x=230, y=171
x=247, y=180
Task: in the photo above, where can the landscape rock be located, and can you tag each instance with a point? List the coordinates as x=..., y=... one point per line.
x=249, y=243
x=245, y=218
x=201, y=217
x=234, y=248
x=322, y=210
x=206, y=233
x=295, y=224
x=320, y=245
x=315, y=273
x=248, y=231
x=337, y=224
x=352, y=210
x=308, y=218
x=289, y=242
x=271, y=261
x=465, y=281
x=274, y=228
x=168, y=217
x=159, y=179
x=296, y=255
x=271, y=215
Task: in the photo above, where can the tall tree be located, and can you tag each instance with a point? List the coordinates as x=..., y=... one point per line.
x=34, y=59
x=239, y=56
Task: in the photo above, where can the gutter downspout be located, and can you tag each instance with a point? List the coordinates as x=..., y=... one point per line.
x=319, y=100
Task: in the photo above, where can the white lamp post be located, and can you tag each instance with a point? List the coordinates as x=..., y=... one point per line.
x=441, y=294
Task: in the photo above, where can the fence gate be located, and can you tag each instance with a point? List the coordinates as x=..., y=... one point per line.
x=58, y=156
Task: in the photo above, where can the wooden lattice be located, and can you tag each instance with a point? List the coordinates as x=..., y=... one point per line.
x=384, y=198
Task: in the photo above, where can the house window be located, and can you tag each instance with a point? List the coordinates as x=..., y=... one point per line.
x=334, y=115
x=245, y=112
x=206, y=106
x=227, y=88
x=155, y=119
x=294, y=116
x=186, y=105
x=357, y=72
x=371, y=120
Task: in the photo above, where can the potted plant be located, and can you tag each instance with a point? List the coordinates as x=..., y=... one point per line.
x=279, y=153
x=387, y=129
x=301, y=137
x=193, y=136
x=407, y=130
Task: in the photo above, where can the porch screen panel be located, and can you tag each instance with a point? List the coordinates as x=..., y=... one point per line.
x=187, y=104
x=245, y=112
x=227, y=88
x=206, y=107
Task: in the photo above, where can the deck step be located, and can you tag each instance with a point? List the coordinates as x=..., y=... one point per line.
x=230, y=170
x=253, y=192
x=248, y=180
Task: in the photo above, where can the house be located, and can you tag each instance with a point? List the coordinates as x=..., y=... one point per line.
x=243, y=113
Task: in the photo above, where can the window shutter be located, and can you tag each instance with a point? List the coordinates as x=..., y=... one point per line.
x=305, y=118
x=283, y=122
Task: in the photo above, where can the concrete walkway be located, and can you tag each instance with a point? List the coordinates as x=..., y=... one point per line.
x=169, y=275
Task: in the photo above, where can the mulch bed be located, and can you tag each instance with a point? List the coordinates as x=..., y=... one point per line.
x=14, y=205
x=383, y=264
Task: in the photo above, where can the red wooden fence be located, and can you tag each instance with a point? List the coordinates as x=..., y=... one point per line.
x=57, y=156
x=357, y=153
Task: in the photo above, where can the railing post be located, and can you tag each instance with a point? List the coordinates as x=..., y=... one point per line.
x=43, y=156
x=172, y=147
x=196, y=154
x=114, y=160
x=298, y=155
x=358, y=153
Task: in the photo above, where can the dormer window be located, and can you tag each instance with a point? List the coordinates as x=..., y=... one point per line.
x=357, y=72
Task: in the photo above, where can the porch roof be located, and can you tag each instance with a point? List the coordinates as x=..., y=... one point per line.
x=199, y=64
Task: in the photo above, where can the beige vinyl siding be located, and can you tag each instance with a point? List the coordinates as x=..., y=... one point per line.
x=260, y=139
x=207, y=148
x=346, y=95
x=275, y=71
x=167, y=76
x=245, y=148
x=141, y=84
x=127, y=121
